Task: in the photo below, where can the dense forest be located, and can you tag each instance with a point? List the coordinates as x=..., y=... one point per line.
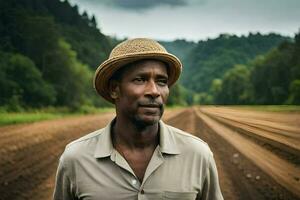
x=257, y=69
x=212, y=58
x=49, y=52
x=230, y=70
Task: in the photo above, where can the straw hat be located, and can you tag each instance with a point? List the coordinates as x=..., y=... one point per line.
x=130, y=51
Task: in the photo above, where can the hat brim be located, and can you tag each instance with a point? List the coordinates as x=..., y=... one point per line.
x=105, y=71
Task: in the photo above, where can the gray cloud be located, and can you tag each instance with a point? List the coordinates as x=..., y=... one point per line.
x=146, y=4
x=192, y=19
x=140, y=4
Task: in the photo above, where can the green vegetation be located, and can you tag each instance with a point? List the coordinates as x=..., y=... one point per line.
x=180, y=48
x=234, y=87
x=35, y=115
x=49, y=52
x=228, y=70
x=270, y=79
x=19, y=118
x=231, y=70
x=212, y=58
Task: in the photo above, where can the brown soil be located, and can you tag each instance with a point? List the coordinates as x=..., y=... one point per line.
x=248, y=168
x=278, y=177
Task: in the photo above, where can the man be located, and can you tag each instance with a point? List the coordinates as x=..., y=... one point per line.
x=137, y=156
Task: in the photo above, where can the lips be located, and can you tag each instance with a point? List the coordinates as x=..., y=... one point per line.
x=151, y=108
x=150, y=105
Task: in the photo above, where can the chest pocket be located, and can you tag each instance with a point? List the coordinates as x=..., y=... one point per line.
x=180, y=195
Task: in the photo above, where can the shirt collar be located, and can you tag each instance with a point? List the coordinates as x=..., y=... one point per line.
x=104, y=146
x=167, y=142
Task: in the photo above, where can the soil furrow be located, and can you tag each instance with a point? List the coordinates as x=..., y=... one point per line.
x=30, y=166
x=283, y=172
x=281, y=148
x=29, y=153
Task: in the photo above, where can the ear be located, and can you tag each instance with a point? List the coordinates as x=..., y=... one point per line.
x=114, y=89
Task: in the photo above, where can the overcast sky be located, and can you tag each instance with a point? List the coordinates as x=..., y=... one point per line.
x=192, y=19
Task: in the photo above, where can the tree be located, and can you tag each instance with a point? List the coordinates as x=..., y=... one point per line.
x=21, y=80
x=235, y=87
x=215, y=89
x=271, y=75
x=212, y=58
x=61, y=45
x=69, y=77
x=177, y=95
x=93, y=22
x=37, y=36
x=294, y=96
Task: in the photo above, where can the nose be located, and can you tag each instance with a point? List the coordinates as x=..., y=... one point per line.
x=152, y=89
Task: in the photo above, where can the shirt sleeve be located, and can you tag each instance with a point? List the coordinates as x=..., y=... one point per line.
x=211, y=188
x=63, y=185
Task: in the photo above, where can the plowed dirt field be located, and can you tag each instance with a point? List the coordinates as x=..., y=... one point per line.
x=257, y=153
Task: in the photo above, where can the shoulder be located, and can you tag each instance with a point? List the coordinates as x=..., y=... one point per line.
x=83, y=146
x=189, y=143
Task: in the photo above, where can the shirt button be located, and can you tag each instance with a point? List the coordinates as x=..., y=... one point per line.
x=133, y=181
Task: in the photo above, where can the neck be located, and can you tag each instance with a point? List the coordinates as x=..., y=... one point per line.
x=133, y=136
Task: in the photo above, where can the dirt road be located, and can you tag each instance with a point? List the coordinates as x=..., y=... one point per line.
x=257, y=153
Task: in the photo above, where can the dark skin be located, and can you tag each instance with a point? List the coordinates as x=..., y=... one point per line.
x=140, y=95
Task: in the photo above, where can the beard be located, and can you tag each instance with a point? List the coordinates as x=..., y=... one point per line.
x=142, y=113
x=146, y=116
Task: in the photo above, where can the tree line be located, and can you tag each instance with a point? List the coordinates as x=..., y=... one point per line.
x=48, y=55
x=232, y=70
x=49, y=52
x=272, y=78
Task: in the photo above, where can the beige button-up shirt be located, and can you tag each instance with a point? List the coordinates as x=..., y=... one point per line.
x=182, y=167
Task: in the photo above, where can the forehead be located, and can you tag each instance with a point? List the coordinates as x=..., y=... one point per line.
x=146, y=66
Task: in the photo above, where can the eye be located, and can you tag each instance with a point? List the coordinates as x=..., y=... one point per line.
x=162, y=82
x=139, y=80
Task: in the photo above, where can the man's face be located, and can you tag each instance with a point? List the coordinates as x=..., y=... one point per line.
x=142, y=92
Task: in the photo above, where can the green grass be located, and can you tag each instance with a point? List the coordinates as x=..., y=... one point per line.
x=18, y=118
x=8, y=118
x=271, y=108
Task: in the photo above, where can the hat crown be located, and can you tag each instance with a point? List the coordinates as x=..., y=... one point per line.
x=137, y=46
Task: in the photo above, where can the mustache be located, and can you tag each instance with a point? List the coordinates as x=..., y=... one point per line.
x=151, y=104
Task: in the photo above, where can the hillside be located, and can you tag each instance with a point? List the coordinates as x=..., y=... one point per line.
x=49, y=52
x=180, y=48
x=55, y=48
x=23, y=23
x=212, y=58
